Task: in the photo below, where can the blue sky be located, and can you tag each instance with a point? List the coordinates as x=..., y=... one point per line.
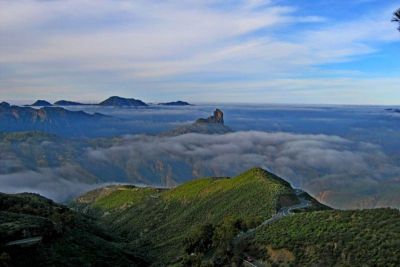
x=255, y=51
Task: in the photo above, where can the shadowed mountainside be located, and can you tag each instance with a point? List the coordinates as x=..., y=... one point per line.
x=48, y=119
x=61, y=237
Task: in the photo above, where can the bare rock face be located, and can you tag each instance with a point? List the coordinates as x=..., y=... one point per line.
x=218, y=117
x=211, y=125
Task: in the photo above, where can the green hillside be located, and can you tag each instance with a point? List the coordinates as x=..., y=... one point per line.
x=331, y=238
x=218, y=221
x=161, y=221
x=65, y=238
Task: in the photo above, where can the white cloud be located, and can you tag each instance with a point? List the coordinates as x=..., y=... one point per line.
x=351, y=172
x=315, y=162
x=64, y=42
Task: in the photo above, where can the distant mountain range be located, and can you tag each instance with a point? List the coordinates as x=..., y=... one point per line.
x=48, y=119
x=114, y=101
x=42, y=116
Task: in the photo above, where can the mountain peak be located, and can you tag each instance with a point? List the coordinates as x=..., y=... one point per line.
x=5, y=105
x=41, y=103
x=218, y=117
x=211, y=125
x=118, y=101
x=260, y=173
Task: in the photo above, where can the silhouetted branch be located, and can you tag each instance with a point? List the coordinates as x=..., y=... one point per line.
x=396, y=17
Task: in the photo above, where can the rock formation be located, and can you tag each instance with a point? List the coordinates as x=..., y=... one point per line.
x=218, y=117
x=211, y=125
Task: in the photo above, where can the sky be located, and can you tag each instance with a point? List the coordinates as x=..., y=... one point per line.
x=248, y=51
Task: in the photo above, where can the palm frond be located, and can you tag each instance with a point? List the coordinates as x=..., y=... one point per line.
x=396, y=15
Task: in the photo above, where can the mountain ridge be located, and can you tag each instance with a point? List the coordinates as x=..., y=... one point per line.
x=48, y=119
x=173, y=214
x=41, y=103
x=254, y=218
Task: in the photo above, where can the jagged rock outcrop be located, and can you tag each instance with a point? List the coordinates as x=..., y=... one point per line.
x=211, y=125
x=218, y=117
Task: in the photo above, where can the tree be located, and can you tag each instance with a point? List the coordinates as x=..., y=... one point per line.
x=396, y=17
x=201, y=240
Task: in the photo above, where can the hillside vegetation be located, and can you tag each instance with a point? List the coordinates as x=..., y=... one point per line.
x=218, y=221
x=332, y=238
x=161, y=221
x=67, y=238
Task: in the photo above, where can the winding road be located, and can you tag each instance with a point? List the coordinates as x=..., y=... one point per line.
x=283, y=212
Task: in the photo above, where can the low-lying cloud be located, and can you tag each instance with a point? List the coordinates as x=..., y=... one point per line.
x=340, y=172
x=318, y=163
x=55, y=183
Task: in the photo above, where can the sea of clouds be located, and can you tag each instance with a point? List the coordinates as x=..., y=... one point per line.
x=345, y=156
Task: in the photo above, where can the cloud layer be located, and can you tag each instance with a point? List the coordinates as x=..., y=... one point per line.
x=340, y=172
x=55, y=183
x=318, y=163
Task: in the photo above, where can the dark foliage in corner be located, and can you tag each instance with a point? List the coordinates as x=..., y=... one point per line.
x=396, y=17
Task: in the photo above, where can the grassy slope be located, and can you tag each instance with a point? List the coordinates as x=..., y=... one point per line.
x=328, y=238
x=69, y=239
x=161, y=220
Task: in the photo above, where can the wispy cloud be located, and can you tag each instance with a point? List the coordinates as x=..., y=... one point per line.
x=72, y=43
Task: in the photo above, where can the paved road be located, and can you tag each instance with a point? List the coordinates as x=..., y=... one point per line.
x=283, y=212
x=26, y=242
